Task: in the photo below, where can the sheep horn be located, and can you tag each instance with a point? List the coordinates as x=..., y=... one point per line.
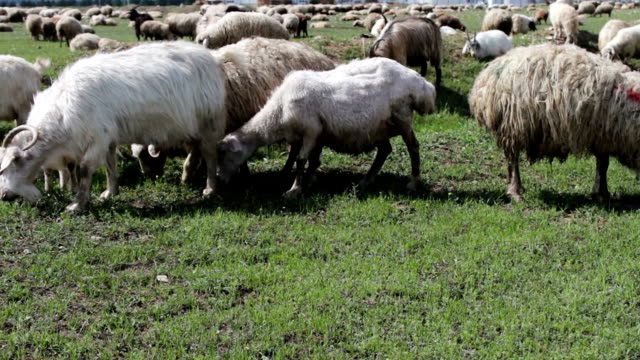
x=468, y=38
x=11, y=134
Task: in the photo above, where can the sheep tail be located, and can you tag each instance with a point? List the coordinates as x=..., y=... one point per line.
x=41, y=65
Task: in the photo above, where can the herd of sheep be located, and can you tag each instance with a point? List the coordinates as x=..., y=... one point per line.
x=241, y=84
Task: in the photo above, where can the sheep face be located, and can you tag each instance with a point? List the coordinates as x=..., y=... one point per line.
x=609, y=53
x=231, y=154
x=471, y=47
x=18, y=170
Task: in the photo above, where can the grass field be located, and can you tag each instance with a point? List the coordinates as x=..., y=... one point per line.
x=455, y=271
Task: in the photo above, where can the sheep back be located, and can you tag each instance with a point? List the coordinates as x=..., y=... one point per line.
x=235, y=26
x=497, y=19
x=609, y=31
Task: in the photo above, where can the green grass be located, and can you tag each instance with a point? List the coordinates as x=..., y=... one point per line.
x=455, y=271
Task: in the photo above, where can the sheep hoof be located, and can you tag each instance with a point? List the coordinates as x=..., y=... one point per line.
x=293, y=194
x=207, y=192
x=106, y=194
x=515, y=197
x=74, y=208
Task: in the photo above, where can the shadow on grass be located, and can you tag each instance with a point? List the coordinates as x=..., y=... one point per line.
x=262, y=192
x=572, y=202
x=452, y=100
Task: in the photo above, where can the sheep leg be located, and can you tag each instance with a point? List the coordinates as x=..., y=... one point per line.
x=293, y=154
x=423, y=70
x=308, y=145
x=190, y=166
x=600, y=188
x=413, y=146
x=210, y=155
x=314, y=164
x=48, y=180
x=514, y=189
x=112, y=173
x=73, y=178
x=384, y=149
x=79, y=204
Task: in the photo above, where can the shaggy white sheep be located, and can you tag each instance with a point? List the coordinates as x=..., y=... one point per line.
x=487, y=44
x=315, y=109
x=20, y=82
x=564, y=19
x=161, y=93
x=625, y=44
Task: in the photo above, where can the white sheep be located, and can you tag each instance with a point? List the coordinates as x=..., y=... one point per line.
x=33, y=25
x=86, y=41
x=522, y=24
x=20, y=82
x=625, y=44
x=609, y=31
x=183, y=24
x=235, y=26
x=291, y=22
x=315, y=109
x=487, y=44
x=160, y=93
x=564, y=19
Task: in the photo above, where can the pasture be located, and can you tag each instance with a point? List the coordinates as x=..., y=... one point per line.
x=454, y=271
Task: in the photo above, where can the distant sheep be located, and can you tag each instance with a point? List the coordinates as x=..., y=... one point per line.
x=106, y=10
x=97, y=20
x=379, y=26
x=320, y=17
x=609, y=31
x=34, y=26
x=49, y=30
x=92, y=12
x=498, y=19
x=74, y=13
x=86, y=29
x=487, y=44
x=291, y=22
x=564, y=19
x=321, y=25
x=156, y=30
x=586, y=7
x=20, y=82
x=183, y=24
x=522, y=24
x=16, y=15
x=603, y=9
x=541, y=15
x=302, y=25
x=67, y=28
x=411, y=42
x=534, y=103
x=237, y=25
x=84, y=41
x=138, y=19
x=450, y=21
x=625, y=44
x=315, y=109
x=5, y=28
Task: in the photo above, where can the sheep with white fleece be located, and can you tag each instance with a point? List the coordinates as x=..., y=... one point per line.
x=315, y=109
x=20, y=82
x=625, y=44
x=487, y=44
x=163, y=93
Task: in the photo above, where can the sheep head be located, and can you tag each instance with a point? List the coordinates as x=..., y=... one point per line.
x=19, y=166
x=233, y=151
x=609, y=53
x=472, y=46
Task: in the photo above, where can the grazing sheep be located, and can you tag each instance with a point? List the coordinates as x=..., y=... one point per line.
x=138, y=19
x=609, y=31
x=321, y=25
x=320, y=17
x=235, y=26
x=156, y=30
x=541, y=14
x=20, y=82
x=320, y=112
x=411, y=42
x=3, y=11
x=110, y=45
x=16, y=15
x=291, y=22
x=603, y=9
x=183, y=24
x=498, y=19
x=5, y=28
x=84, y=41
x=625, y=44
x=86, y=29
x=564, y=20
x=302, y=25
x=249, y=85
x=67, y=28
x=487, y=44
x=49, y=30
x=47, y=13
x=34, y=26
x=450, y=21
x=106, y=10
x=534, y=103
x=92, y=12
x=97, y=104
x=586, y=7
x=445, y=30
x=97, y=20
x=522, y=24
x=350, y=17
x=74, y=13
